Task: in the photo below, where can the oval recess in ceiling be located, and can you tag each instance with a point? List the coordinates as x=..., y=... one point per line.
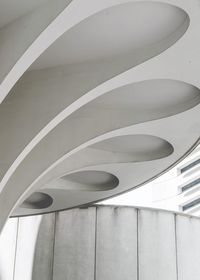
x=128, y=34
x=86, y=180
x=37, y=200
x=140, y=102
x=138, y=147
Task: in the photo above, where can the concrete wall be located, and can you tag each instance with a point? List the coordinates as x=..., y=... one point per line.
x=101, y=243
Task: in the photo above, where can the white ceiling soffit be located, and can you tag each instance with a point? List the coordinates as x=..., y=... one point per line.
x=12, y=10
x=111, y=98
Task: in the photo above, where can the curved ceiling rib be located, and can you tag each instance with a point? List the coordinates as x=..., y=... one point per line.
x=29, y=35
x=24, y=39
x=36, y=87
x=109, y=100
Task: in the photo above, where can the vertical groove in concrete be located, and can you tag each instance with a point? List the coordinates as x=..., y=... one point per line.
x=103, y=242
x=95, y=244
x=138, y=257
x=54, y=240
x=175, y=231
x=16, y=248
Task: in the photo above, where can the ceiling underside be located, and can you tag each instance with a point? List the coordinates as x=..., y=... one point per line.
x=94, y=103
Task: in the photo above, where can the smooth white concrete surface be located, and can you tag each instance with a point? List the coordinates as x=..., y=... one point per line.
x=107, y=35
x=90, y=180
x=23, y=40
x=116, y=243
x=8, y=241
x=10, y=10
x=101, y=242
x=25, y=249
x=37, y=200
x=157, y=245
x=141, y=147
x=75, y=245
x=44, y=249
x=92, y=79
x=188, y=247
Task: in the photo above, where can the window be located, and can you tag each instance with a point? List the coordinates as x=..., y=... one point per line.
x=190, y=185
x=189, y=166
x=191, y=204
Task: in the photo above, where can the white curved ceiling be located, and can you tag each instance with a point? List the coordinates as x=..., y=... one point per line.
x=12, y=10
x=110, y=100
x=116, y=31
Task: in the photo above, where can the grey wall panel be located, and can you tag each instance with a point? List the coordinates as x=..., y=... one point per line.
x=43, y=256
x=7, y=249
x=74, y=251
x=116, y=248
x=157, y=248
x=27, y=237
x=188, y=247
x=34, y=254
x=101, y=243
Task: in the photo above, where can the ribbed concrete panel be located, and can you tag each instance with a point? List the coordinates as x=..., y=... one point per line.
x=188, y=247
x=26, y=241
x=116, y=248
x=7, y=249
x=43, y=259
x=102, y=242
x=74, y=252
x=157, y=249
